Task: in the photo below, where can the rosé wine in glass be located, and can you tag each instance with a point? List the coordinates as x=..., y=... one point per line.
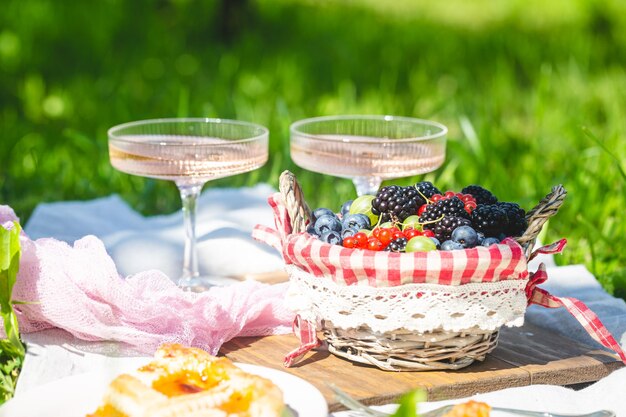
x=368, y=149
x=160, y=157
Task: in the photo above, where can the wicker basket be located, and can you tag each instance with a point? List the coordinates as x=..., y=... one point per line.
x=401, y=349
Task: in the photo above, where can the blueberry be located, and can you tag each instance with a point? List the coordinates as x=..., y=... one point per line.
x=365, y=221
x=481, y=237
x=345, y=209
x=466, y=236
x=488, y=241
x=332, y=237
x=349, y=231
x=360, y=221
x=436, y=241
x=451, y=245
x=311, y=230
x=319, y=212
x=327, y=222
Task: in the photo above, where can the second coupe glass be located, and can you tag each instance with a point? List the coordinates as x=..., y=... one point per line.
x=368, y=149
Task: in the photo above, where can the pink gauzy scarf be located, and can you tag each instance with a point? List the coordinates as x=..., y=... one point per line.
x=77, y=288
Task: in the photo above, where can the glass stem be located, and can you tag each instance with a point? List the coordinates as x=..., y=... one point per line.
x=189, y=195
x=367, y=185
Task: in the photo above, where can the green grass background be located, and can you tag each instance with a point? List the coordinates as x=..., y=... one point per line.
x=533, y=93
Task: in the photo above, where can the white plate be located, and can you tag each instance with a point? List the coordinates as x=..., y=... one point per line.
x=77, y=395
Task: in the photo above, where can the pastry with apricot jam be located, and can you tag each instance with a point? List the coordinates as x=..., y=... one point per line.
x=188, y=382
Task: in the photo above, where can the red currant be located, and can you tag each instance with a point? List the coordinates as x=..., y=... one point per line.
x=436, y=197
x=360, y=239
x=466, y=198
x=374, y=244
x=411, y=233
x=428, y=233
x=449, y=194
x=349, y=242
x=376, y=232
x=470, y=206
x=385, y=236
x=421, y=210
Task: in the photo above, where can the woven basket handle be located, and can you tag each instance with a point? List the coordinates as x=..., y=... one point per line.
x=540, y=214
x=299, y=211
x=293, y=198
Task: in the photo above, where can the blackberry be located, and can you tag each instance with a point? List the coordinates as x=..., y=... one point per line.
x=449, y=208
x=397, y=245
x=427, y=189
x=490, y=219
x=516, y=217
x=395, y=203
x=480, y=194
x=443, y=229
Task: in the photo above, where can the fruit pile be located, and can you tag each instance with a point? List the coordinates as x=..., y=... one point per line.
x=419, y=218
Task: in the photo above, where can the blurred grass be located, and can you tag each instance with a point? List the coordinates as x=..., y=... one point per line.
x=532, y=91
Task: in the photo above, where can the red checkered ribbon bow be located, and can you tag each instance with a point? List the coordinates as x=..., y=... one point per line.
x=385, y=269
x=306, y=332
x=275, y=237
x=576, y=308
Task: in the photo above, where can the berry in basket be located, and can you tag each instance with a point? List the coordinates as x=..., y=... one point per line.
x=396, y=203
x=480, y=194
x=419, y=218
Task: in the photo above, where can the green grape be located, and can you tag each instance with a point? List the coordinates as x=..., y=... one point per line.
x=412, y=221
x=420, y=244
x=363, y=205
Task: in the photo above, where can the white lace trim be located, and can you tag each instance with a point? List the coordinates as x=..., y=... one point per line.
x=413, y=307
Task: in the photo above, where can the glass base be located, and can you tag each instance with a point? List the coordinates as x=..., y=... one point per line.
x=204, y=283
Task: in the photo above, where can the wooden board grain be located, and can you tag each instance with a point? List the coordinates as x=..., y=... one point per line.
x=524, y=356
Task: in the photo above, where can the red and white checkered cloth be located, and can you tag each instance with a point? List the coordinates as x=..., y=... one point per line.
x=388, y=269
x=344, y=266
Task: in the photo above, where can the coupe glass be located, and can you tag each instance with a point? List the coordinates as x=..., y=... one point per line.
x=368, y=149
x=189, y=152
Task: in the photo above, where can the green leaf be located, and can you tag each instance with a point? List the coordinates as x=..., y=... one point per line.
x=10, y=365
x=13, y=334
x=287, y=412
x=7, y=350
x=409, y=402
x=25, y=303
x=9, y=245
x=9, y=265
x=11, y=349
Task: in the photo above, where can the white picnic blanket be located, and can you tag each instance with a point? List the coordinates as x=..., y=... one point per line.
x=136, y=243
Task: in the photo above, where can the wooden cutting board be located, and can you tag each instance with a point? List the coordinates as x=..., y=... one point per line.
x=524, y=356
